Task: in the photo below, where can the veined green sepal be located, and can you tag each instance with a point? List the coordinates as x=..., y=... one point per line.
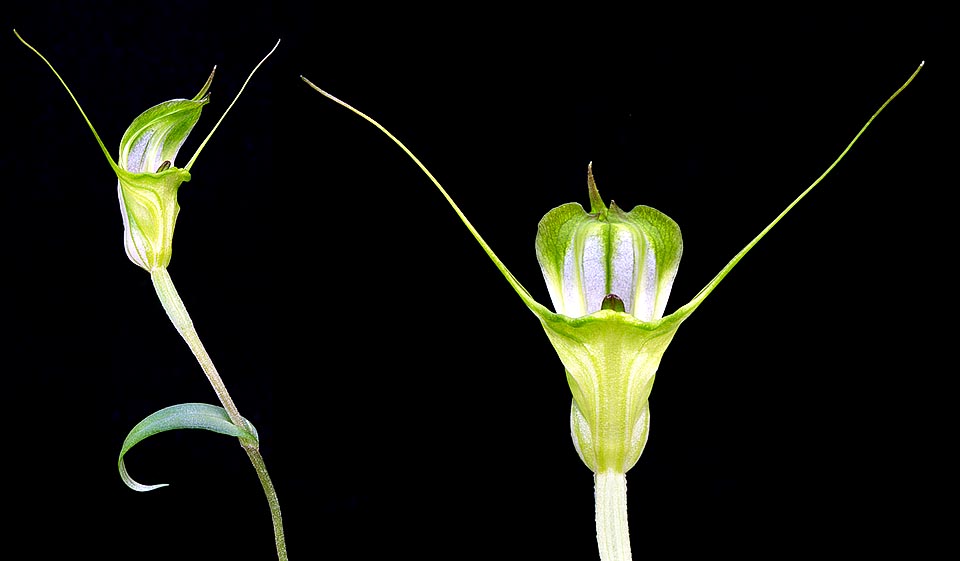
x=149, y=208
x=611, y=360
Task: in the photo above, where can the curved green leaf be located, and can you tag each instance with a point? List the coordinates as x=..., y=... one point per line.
x=183, y=416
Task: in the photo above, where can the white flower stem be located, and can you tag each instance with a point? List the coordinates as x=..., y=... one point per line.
x=177, y=313
x=613, y=535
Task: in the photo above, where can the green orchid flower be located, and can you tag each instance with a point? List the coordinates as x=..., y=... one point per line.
x=148, y=180
x=609, y=274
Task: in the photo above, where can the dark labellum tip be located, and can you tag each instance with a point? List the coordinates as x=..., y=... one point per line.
x=612, y=302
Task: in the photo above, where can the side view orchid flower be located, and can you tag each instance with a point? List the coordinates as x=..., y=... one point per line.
x=147, y=184
x=609, y=273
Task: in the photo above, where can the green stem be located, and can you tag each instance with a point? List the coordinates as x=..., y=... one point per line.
x=613, y=535
x=254, y=453
x=177, y=313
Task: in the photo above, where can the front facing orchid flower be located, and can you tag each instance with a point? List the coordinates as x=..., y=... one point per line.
x=612, y=271
x=609, y=274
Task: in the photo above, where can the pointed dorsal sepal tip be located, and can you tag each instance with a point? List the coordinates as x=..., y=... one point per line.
x=205, y=90
x=596, y=203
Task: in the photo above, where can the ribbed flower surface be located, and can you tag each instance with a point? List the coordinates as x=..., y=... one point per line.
x=585, y=257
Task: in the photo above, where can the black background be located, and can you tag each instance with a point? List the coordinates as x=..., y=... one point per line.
x=408, y=403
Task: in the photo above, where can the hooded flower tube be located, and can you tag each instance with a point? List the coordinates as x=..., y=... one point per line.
x=148, y=180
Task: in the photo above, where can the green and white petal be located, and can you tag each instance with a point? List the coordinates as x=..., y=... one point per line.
x=156, y=135
x=585, y=257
